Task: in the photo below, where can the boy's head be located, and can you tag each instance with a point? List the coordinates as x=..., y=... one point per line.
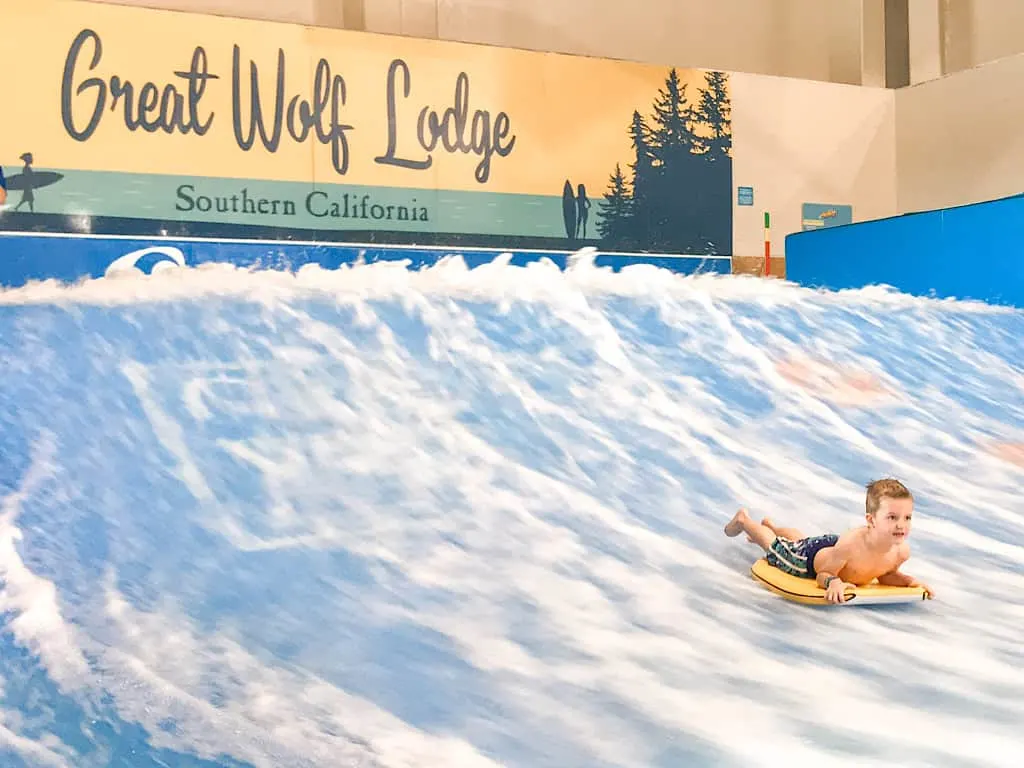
x=889, y=506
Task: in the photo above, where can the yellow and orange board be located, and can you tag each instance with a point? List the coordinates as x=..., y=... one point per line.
x=807, y=591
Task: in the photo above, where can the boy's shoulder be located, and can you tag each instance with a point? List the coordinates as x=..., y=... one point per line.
x=853, y=542
x=852, y=536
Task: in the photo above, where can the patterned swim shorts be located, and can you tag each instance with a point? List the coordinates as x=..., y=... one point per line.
x=797, y=557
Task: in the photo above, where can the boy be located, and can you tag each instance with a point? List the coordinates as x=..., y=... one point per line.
x=873, y=551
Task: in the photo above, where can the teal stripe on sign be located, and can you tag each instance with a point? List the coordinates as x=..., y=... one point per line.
x=298, y=204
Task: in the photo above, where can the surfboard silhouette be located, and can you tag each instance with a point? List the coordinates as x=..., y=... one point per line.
x=33, y=180
x=569, y=210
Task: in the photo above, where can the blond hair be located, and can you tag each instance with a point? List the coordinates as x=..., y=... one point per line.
x=887, y=488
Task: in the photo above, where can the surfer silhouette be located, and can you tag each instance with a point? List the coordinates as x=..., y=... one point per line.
x=27, y=194
x=575, y=210
x=582, y=210
x=3, y=186
x=28, y=181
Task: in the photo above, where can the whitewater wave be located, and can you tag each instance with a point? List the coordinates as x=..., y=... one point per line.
x=378, y=516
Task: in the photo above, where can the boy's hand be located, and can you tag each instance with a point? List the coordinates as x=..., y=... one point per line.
x=834, y=593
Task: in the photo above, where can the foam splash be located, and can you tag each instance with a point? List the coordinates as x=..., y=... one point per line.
x=473, y=517
x=451, y=277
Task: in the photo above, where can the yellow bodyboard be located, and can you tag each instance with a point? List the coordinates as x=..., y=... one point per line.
x=807, y=591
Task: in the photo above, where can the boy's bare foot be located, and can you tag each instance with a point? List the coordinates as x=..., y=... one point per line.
x=735, y=526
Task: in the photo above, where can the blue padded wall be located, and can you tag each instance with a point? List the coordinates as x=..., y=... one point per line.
x=969, y=252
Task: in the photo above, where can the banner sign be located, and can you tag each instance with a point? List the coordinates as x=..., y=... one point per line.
x=126, y=118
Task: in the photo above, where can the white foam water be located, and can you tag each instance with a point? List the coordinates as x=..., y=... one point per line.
x=384, y=517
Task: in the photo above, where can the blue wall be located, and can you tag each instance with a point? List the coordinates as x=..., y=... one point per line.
x=969, y=252
x=26, y=257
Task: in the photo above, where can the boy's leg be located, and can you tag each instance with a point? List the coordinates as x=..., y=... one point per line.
x=761, y=535
x=792, y=534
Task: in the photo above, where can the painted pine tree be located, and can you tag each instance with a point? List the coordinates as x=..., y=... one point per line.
x=616, y=220
x=681, y=182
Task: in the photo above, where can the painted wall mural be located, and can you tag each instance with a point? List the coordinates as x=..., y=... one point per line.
x=136, y=121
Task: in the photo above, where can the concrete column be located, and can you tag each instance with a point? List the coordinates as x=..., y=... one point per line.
x=956, y=25
x=353, y=13
x=897, y=44
x=844, y=49
x=925, y=33
x=329, y=13
x=872, y=43
x=414, y=18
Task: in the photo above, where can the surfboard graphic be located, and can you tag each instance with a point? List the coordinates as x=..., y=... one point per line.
x=569, y=210
x=32, y=181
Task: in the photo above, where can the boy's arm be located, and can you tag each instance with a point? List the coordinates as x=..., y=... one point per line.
x=833, y=560
x=895, y=577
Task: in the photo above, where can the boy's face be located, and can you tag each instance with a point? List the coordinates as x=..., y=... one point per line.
x=893, y=518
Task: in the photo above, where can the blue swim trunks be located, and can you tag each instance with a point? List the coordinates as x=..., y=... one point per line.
x=797, y=557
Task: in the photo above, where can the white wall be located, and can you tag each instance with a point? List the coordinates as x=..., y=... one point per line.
x=959, y=138
x=797, y=142
x=796, y=38
x=979, y=31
